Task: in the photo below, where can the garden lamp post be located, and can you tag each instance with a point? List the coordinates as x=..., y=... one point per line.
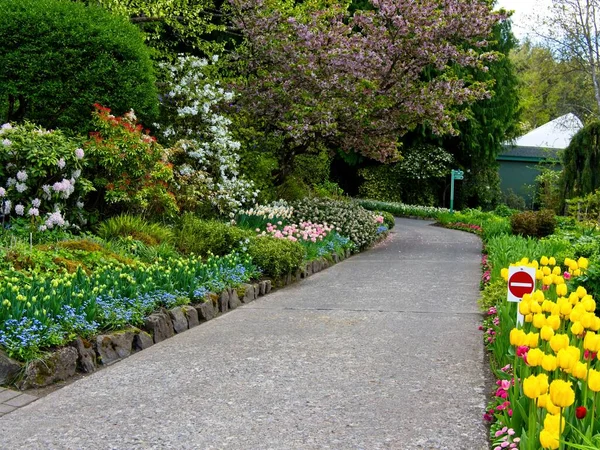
x=455, y=175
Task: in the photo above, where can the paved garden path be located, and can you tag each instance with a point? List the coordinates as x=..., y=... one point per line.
x=381, y=351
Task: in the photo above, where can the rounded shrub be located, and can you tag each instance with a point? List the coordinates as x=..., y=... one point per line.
x=58, y=58
x=535, y=224
x=276, y=257
x=349, y=218
x=202, y=237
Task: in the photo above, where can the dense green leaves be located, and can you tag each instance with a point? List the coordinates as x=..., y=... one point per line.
x=58, y=58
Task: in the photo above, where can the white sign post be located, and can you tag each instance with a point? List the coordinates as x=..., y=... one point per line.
x=521, y=281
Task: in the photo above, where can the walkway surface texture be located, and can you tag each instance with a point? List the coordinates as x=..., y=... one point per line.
x=381, y=351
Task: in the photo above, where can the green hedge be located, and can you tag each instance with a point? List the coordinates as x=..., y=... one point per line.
x=58, y=58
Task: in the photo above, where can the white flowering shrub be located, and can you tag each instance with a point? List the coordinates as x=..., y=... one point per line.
x=204, y=153
x=40, y=177
x=348, y=218
x=259, y=215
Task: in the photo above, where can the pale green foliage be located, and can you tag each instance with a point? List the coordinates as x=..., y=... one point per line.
x=169, y=24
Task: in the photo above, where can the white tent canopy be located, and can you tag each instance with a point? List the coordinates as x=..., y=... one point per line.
x=555, y=134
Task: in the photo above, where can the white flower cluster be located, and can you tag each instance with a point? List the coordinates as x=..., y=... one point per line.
x=204, y=134
x=274, y=210
x=19, y=195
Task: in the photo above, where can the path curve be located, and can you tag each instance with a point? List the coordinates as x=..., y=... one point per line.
x=381, y=351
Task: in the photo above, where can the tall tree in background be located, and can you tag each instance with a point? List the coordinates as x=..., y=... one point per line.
x=315, y=74
x=573, y=34
x=491, y=122
x=172, y=26
x=549, y=88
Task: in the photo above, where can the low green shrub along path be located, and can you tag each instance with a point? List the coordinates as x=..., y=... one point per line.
x=381, y=351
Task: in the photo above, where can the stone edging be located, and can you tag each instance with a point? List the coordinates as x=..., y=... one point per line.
x=87, y=356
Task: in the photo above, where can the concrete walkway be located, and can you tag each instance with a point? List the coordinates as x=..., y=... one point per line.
x=381, y=351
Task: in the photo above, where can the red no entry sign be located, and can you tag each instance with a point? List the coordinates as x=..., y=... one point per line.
x=521, y=283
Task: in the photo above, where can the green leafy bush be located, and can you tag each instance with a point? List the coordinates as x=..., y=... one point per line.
x=534, y=224
x=414, y=179
x=136, y=227
x=131, y=172
x=493, y=294
x=349, y=218
x=276, y=257
x=203, y=237
x=58, y=58
x=503, y=210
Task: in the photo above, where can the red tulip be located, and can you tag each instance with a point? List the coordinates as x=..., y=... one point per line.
x=580, y=412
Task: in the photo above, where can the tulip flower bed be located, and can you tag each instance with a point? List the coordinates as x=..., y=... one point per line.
x=548, y=369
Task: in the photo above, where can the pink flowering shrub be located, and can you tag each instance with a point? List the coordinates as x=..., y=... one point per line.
x=41, y=178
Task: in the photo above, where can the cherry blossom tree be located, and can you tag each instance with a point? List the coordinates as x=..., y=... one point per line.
x=314, y=73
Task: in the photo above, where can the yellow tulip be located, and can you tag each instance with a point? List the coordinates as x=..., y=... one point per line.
x=524, y=307
x=581, y=292
x=534, y=264
x=591, y=341
x=561, y=393
x=577, y=328
x=579, y=370
x=561, y=289
x=531, y=387
x=567, y=262
x=552, y=261
x=504, y=273
x=534, y=357
x=533, y=340
x=517, y=337
x=558, y=342
x=546, y=271
x=567, y=358
x=538, y=275
x=547, y=305
x=538, y=296
x=546, y=332
x=595, y=324
x=574, y=298
x=576, y=313
x=587, y=320
x=583, y=263
x=594, y=380
x=565, y=309
x=544, y=260
x=548, y=280
x=543, y=382
x=577, y=272
x=529, y=318
x=549, y=363
x=556, y=270
x=539, y=320
x=549, y=440
x=554, y=423
x=535, y=307
x=551, y=407
x=588, y=303
x=524, y=261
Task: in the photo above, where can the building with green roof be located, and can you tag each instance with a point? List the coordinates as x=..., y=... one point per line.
x=519, y=163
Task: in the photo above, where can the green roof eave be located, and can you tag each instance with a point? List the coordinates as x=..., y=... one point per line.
x=535, y=159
